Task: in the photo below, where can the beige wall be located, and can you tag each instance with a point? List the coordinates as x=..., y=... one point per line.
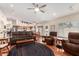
x=73, y=18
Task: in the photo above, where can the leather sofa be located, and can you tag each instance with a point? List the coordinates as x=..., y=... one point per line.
x=72, y=44
x=21, y=36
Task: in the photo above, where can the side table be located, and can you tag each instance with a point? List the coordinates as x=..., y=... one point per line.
x=2, y=47
x=59, y=43
x=3, y=44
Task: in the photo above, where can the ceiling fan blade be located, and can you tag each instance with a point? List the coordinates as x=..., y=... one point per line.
x=42, y=11
x=43, y=6
x=35, y=5
x=30, y=8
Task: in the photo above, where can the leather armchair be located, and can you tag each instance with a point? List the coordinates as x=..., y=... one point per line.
x=50, y=39
x=53, y=33
x=72, y=44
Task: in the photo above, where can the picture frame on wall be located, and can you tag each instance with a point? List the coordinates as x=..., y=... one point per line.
x=52, y=27
x=46, y=27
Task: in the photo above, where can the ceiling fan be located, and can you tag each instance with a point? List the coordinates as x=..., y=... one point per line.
x=37, y=8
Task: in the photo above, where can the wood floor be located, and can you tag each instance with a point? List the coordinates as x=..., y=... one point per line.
x=57, y=51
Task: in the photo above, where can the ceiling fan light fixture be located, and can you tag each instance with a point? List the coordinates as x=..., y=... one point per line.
x=37, y=9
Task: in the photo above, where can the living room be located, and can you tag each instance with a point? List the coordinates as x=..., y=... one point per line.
x=43, y=27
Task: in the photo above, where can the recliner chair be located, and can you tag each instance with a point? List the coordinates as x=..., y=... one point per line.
x=72, y=44
x=52, y=33
x=50, y=39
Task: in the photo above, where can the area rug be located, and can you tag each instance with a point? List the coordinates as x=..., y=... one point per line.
x=33, y=49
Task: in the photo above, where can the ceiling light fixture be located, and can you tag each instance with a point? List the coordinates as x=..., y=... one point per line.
x=37, y=9
x=54, y=14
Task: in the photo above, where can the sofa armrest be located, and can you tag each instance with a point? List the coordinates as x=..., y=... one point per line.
x=65, y=41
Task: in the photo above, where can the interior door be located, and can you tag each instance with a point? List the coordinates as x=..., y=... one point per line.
x=40, y=30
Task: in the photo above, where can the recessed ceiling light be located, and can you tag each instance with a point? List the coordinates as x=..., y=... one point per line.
x=11, y=5
x=54, y=14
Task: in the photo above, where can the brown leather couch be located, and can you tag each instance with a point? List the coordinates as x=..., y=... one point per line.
x=21, y=37
x=72, y=44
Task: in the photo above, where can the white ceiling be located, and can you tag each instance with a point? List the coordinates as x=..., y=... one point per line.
x=53, y=10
